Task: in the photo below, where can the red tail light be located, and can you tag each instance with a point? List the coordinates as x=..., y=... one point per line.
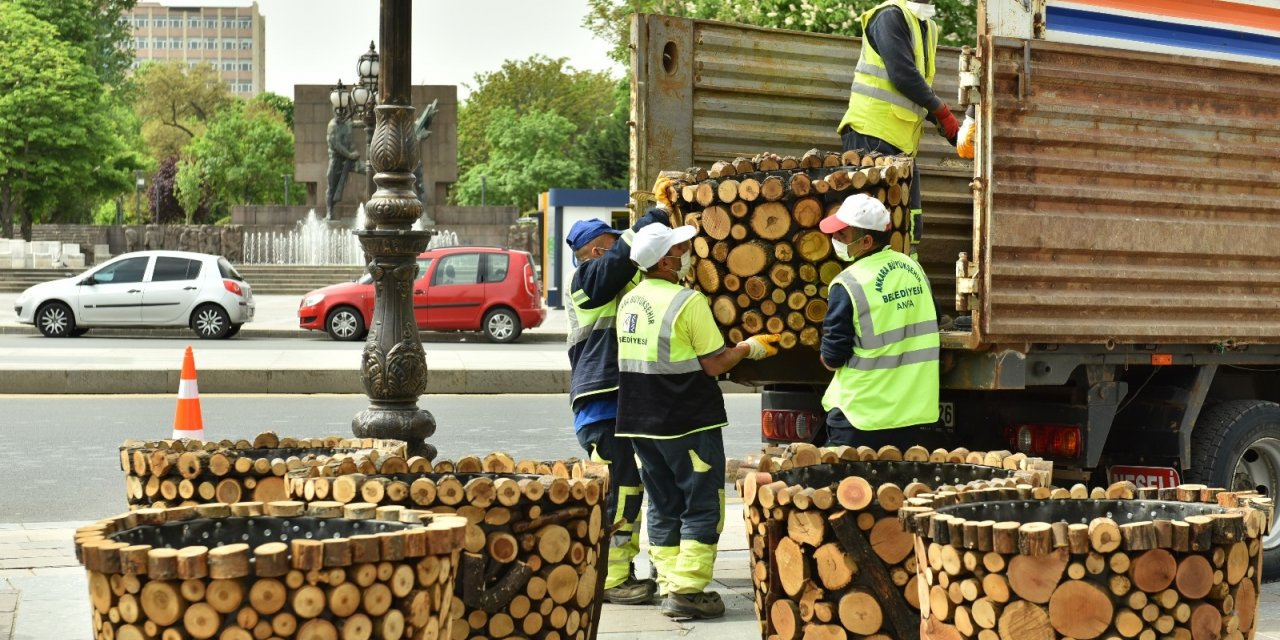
x=789, y=425
x=233, y=287
x=1052, y=440
x=530, y=285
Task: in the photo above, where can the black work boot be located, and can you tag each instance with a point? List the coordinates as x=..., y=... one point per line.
x=632, y=591
x=702, y=606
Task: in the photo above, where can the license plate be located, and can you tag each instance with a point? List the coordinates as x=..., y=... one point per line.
x=947, y=414
x=1162, y=477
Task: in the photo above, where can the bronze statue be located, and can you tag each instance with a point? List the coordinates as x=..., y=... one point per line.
x=422, y=131
x=343, y=158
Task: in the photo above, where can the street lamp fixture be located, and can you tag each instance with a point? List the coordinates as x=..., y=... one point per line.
x=365, y=94
x=138, y=184
x=340, y=98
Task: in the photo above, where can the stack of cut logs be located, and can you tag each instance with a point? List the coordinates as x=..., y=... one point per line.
x=829, y=557
x=534, y=547
x=760, y=256
x=1187, y=567
x=187, y=472
x=365, y=579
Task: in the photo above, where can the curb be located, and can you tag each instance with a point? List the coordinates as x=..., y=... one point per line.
x=258, y=381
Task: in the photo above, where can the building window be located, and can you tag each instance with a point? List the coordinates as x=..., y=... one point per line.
x=228, y=23
x=246, y=44
x=246, y=66
x=140, y=22
x=175, y=43
x=228, y=44
x=191, y=64
x=139, y=43
x=211, y=44
x=228, y=66
x=246, y=23
x=158, y=43
x=193, y=23
x=195, y=44
x=211, y=23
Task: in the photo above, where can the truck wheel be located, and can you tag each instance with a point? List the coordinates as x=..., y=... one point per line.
x=1236, y=445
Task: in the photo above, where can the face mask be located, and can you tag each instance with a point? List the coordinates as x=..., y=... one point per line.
x=686, y=263
x=922, y=11
x=842, y=250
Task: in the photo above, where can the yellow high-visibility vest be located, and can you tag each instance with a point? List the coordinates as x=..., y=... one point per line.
x=892, y=379
x=876, y=107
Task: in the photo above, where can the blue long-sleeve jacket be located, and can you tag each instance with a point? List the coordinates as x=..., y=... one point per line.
x=593, y=348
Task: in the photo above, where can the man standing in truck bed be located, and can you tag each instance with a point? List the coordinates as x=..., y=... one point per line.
x=880, y=335
x=892, y=93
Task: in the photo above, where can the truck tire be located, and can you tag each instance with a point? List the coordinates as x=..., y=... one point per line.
x=1236, y=445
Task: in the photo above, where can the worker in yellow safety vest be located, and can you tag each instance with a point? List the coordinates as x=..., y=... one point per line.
x=880, y=336
x=670, y=352
x=604, y=274
x=892, y=93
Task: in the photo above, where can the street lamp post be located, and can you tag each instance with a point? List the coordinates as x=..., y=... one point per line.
x=393, y=366
x=138, y=184
x=288, y=178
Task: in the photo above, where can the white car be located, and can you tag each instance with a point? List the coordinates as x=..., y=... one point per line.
x=143, y=289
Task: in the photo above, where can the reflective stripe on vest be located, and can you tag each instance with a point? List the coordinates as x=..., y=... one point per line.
x=876, y=107
x=664, y=365
x=867, y=338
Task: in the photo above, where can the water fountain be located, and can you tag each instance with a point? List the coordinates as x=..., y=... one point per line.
x=315, y=242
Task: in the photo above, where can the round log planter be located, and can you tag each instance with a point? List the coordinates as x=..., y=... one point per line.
x=534, y=548
x=169, y=473
x=280, y=570
x=829, y=557
x=1090, y=568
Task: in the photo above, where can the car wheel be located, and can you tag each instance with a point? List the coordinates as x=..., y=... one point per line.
x=501, y=325
x=235, y=328
x=344, y=324
x=211, y=322
x=55, y=320
x=1237, y=445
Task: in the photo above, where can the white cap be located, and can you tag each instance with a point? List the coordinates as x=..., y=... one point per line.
x=654, y=241
x=858, y=210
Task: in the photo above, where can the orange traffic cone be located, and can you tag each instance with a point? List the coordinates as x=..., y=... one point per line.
x=188, y=423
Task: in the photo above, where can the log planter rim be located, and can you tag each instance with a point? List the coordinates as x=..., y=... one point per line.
x=137, y=457
x=113, y=545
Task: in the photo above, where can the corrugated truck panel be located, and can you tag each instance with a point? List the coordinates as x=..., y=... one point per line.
x=708, y=91
x=1135, y=197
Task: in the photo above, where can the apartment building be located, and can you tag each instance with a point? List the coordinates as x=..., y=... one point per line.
x=232, y=39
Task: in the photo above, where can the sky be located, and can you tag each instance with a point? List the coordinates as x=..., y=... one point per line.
x=319, y=41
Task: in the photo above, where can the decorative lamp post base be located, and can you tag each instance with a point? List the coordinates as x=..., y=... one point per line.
x=393, y=366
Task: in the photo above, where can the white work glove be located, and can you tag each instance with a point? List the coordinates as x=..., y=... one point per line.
x=761, y=346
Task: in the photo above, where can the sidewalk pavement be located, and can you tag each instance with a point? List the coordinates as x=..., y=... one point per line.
x=44, y=594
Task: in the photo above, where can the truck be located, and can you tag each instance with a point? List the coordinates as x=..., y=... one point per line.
x=1111, y=255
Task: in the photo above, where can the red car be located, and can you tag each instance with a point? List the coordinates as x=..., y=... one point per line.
x=484, y=289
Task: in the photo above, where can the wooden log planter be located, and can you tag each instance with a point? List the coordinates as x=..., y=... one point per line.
x=168, y=473
x=534, y=548
x=283, y=569
x=1091, y=568
x=760, y=257
x=829, y=558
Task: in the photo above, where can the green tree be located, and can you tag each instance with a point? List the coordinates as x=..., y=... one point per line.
x=530, y=153
x=95, y=28
x=611, y=19
x=58, y=141
x=536, y=84
x=275, y=102
x=603, y=148
x=175, y=104
x=237, y=160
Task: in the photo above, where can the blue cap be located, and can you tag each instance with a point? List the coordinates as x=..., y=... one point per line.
x=584, y=231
